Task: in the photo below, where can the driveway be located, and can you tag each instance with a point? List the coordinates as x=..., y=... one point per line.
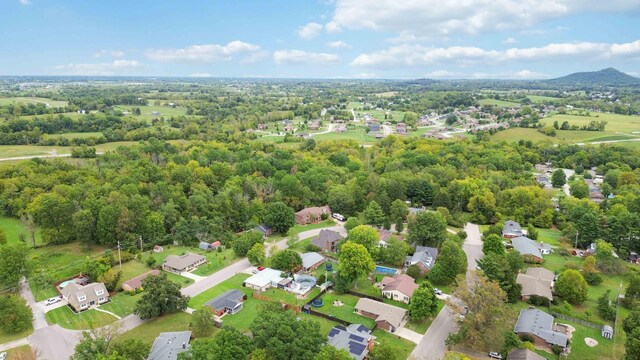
x=192, y=276
x=568, y=173
x=407, y=334
x=472, y=245
x=39, y=320
x=432, y=346
x=216, y=278
x=54, y=342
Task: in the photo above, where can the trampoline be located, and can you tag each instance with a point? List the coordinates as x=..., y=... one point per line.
x=317, y=303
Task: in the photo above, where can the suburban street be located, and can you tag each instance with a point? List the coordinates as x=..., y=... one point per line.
x=568, y=173
x=432, y=346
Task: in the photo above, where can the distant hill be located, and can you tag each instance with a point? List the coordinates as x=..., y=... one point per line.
x=605, y=77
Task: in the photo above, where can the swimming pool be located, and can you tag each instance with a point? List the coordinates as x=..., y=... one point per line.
x=385, y=270
x=65, y=283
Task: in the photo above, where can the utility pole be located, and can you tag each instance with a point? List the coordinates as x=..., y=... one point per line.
x=119, y=258
x=576, y=239
x=141, y=244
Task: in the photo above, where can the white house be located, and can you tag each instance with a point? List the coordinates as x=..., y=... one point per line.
x=264, y=279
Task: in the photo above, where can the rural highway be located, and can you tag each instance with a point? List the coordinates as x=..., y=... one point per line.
x=432, y=346
x=29, y=157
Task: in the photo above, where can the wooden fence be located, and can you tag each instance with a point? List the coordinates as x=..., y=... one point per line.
x=575, y=320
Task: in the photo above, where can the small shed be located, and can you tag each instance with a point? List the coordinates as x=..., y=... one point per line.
x=607, y=332
x=216, y=244
x=158, y=249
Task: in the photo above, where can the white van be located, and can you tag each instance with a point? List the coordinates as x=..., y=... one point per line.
x=338, y=217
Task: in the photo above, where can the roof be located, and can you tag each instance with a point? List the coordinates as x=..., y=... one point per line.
x=265, y=277
x=263, y=228
x=526, y=246
x=541, y=273
x=204, y=245
x=401, y=282
x=228, y=299
x=539, y=323
x=318, y=211
x=326, y=237
x=136, y=282
x=534, y=286
x=168, y=345
x=425, y=255
x=353, y=338
x=523, y=354
x=184, y=261
x=311, y=258
x=607, y=328
x=512, y=227
x=216, y=244
x=389, y=313
x=74, y=292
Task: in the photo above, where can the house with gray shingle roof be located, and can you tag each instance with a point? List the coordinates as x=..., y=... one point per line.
x=539, y=325
x=229, y=302
x=512, y=229
x=83, y=297
x=356, y=339
x=424, y=257
x=168, y=345
x=529, y=249
x=186, y=262
x=327, y=240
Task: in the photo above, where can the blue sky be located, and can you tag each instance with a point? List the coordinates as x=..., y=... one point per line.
x=514, y=39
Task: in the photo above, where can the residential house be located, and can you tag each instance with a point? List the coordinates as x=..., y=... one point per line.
x=158, y=249
x=311, y=261
x=264, y=279
x=229, y=302
x=544, y=181
x=288, y=128
x=312, y=215
x=168, y=345
x=136, y=283
x=264, y=229
x=356, y=339
x=315, y=125
x=83, y=297
x=592, y=249
x=539, y=326
x=543, y=168
x=215, y=245
x=413, y=211
x=401, y=129
x=327, y=240
x=536, y=281
x=186, y=262
x=398, y=288
x=204, y=246
x=387, y=317
x=633, y=258
x=424, y=257
x=530, y=250
x=303, y=135
x=340, y=128
x=262, y=126
x=524, y=354
x=512, y=229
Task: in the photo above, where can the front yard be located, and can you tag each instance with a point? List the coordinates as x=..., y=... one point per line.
x=217, y=260
x=235, y=282
x=5, y=337
x=84, y=320
x=148, y=331
x=121, y=304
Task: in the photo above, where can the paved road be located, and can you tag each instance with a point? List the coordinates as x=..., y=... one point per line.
x=39, y=320
x=568, y=173
x=432, y=346
x=54, y=342
x=28, y=157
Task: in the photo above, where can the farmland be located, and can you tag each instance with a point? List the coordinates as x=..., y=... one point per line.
x=32, y=100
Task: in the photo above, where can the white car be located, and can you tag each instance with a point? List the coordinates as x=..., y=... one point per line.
x=495, y=355
x=437, y=291
x=51, y=301
x=3, y=355
x=338, y=217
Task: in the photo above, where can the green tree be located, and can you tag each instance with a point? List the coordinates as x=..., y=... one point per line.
x=15, y=315
x=84, y=224
x=3, y=237
x=284, y=337
x=399, y=225
x=245, y=242
x=632, y=321
x=373, y=214
x=428, y=228
x=351, y=223
x=451, y=261
x=605, y=261
x=256, y=254
x=132, y=349
x=493, y=244
x=202, y=323
x=13, y=266
x=558, y=178
x=632, y=292
x=280, y=217
x=605, y=309
x=354, y=261
x=395, y=252
x=590, y=272
x=532, y=232
x=571, y=286
x=365, y=236
x=423, y=302
x=227, y=344
x=91, y=347
x=399, y=210
x=328, y=352
x=579, y=189
x=286, y=260
x=161, y=296
x=414, y=271
x=632, y=345
x=483, y=207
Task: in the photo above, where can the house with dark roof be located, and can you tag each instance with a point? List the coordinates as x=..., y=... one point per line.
x=530, y=250
x=539, y=326
x=536, y=281
x=229, y=302
x=311, y=260
x=398, y=288
x=327, y=240
x=312, y=215
x=264, y=229
x=168, y=345
x=186, y=262
x=356, y=339
x=512, y=229
x=424, y=257
x=387, y=317
x=136, y=283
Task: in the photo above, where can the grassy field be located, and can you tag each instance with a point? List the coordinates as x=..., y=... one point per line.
x=74, y=135
x=121, y=304
x=501, y=103
x=32, y=100
x=22, y=353
x=344, y=312
x=234, y=283
x=401, y=347
x=563, y=136
x=85, y=320
x=549, y=236
x=542, y=99
x=5, y=337
x=322, y=224
x=14, y=227
x=7, y=151
x=217, y=260
x=615, y=122
x=150, y=330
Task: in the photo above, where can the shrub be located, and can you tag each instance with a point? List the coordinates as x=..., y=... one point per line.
x=557, y=349
x=414, y=272
x=538, y=300
x=527, y=338
x=150, y=261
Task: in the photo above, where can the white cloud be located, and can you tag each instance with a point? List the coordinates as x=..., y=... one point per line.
x=117, y=67
x=364, y=75
x=510, y=40
x=332, y=27
x=338, y=44
x=25, y=2
x=304, y=57
x=441, y=18
x=203, y=53
x=309, y=31
x=108, y=53
x=200, y=75
x=416, y=55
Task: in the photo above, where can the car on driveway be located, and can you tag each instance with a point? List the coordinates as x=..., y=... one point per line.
x=437, y=291
x=255, y=271
x=260, y=268
x=51, y=301
x=495, y=355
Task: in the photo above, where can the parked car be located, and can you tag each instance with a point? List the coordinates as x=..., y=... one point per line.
x=581, y=253
x=338, y=217
x=51, y=301
x=260, y=268
x=495, y=355
x=437, y=291
x=3, y=355
x=255, y=271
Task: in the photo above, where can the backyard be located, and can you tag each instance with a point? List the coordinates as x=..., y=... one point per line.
x=345, y=311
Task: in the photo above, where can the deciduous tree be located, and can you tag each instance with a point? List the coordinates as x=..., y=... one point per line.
x=161, y=296
x=280, y=217
x=354, y=261
x=451, y=261
x=256, y=254
x=423, y=302
x=428, y=228
x=571, y=286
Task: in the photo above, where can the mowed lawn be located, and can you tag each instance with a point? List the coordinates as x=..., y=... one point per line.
x=615, y=122
x=32, y=100
x=121, y=304
x=217, y=260
x=235, y=282
x=6, y=337
x=13, y=228
x=344, y=312
x=149, y=331
x=88, y=319
x=563, y=136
